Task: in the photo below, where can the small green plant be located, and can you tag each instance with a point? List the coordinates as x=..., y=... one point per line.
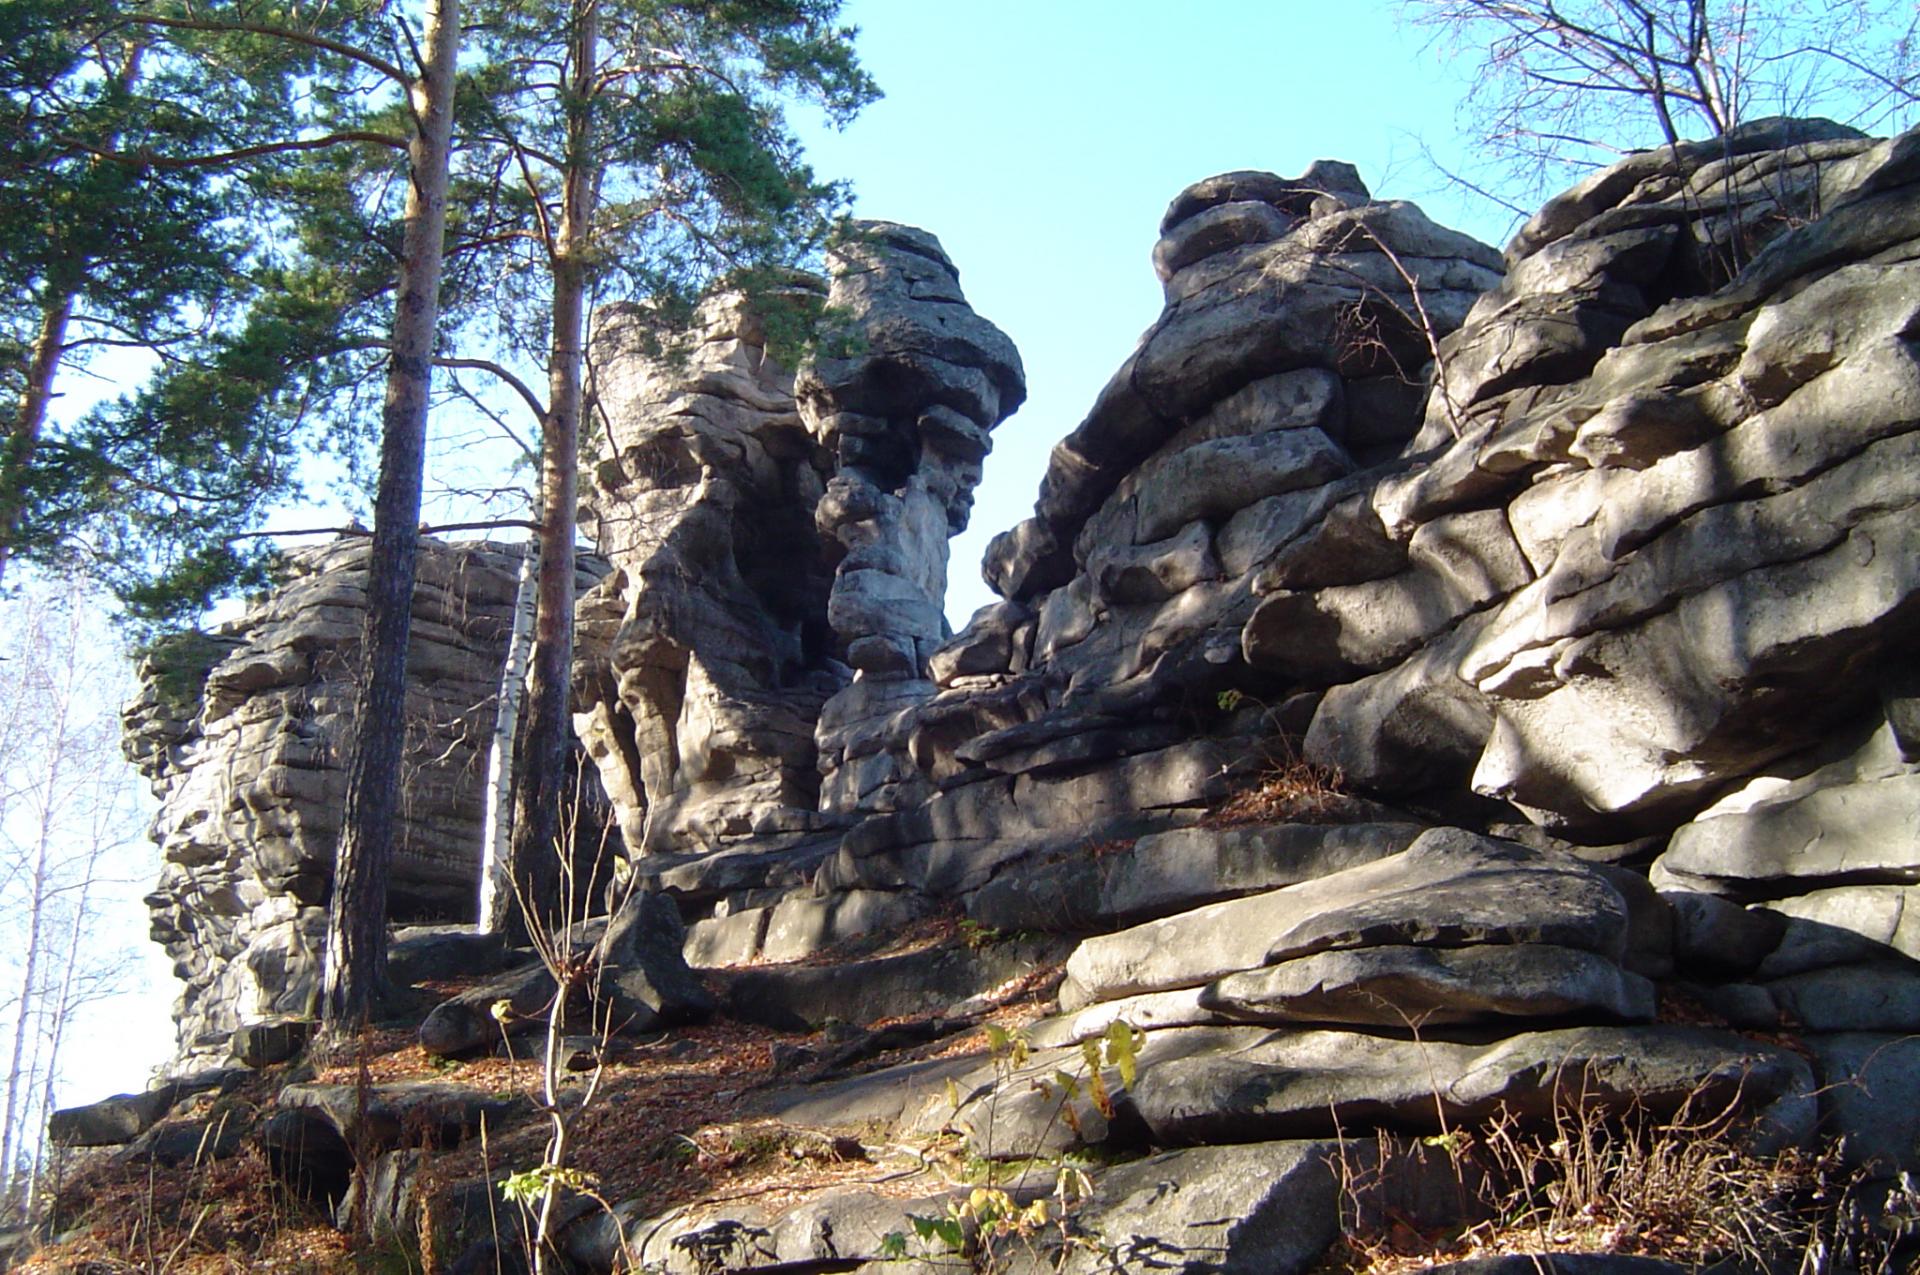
x=529, y=1186
x=981, y=1226
x=973, y=1227
x=977, y=936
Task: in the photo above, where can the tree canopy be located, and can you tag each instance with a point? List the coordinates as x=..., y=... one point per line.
x=1561, y=85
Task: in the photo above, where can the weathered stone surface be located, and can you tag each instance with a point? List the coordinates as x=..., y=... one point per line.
x=190, y=1142
x=412, y=1113
x=1713, y=936
x=1272, y=1208
x=1448, y=889
x=1239, y=1084
x=1168, y=872
x=796, y=997
x=1216, y=229
x=246, y=742
x=1224, y=331
x=1860, y=997
x=1845, y=924
x=986, y=646
x=420, y=952
x=1422, y=986
x=1862, y=832
x=111, y=1121
x=798, y=926
x=1870, y=1100
x=264, y=1044
x=1301, y=1082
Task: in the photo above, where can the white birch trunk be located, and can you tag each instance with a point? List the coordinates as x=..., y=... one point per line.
x=496, y=886
x=59, y=1013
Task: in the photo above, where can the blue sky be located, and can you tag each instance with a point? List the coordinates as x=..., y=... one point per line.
x=1041, y=141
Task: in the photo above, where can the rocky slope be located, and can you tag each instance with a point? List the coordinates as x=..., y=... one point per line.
x=1551, y=613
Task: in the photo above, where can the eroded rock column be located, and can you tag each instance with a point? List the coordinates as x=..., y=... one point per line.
x=903, y=396
x=705, y=657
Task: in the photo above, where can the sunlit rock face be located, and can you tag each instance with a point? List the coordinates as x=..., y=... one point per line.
x=245, y=734
x=778, y=560
x=903, y=395
x=698, y=701
x=1687, y=422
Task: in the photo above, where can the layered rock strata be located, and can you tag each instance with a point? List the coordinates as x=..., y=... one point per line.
x=244, y=734
x=1552, y=615
x=781, y=563
x=1588, y=573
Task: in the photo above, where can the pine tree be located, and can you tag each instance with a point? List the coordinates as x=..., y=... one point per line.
x=655, y=163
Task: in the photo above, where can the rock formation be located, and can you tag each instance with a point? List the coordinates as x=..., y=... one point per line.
x=243, y=733
x=1606, y=637
x=717, y=656
x=1432, y=683
x=781, y=564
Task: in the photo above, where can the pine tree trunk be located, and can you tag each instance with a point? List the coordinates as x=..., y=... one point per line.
x=357, y=917
x=496, y=881
x=537, y=834
x=44, y=360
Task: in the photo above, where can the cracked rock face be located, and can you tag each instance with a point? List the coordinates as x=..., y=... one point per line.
x=697, y=696
x=905, y=407
x=776, y=540
x=244, y=734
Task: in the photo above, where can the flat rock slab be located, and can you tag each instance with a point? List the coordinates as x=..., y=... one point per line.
x=1864, y=832
x=798, y=997
x=112, y=1121
x=1202, y=1085
x=912, y=1095
x=1079, y=888
x=1428, y=986
x=1300, y=1083
x=1451, y=888
x=410, y=1113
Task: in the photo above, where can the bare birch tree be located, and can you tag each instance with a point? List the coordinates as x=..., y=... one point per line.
x=69, y=829
x=1560, y=85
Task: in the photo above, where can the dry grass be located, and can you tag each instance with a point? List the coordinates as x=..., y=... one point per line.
x=1288, y=790
x=666, y=1129
x=1686, y=1189
x=220, y=1218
